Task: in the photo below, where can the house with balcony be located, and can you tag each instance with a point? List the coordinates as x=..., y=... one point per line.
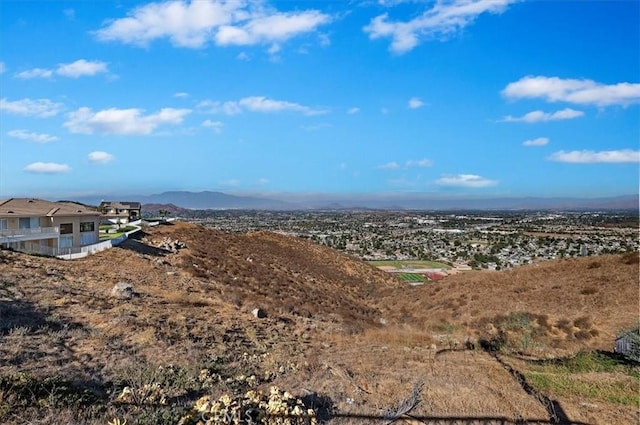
x=117, y=212
x=51, y=228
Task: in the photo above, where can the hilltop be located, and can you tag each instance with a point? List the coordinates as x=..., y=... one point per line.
x=345, y=335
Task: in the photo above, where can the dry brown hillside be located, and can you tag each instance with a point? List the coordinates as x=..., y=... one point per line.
x=346, y=337
x=566, y=304
x=286, y=274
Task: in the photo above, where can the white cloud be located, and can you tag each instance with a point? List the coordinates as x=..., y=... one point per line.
x=324, y=39
x=216, y=107
x=411, y=163
x=581, y=92
x=540, y=141
x=34, y=137
x=415, y=103
x=70, y=14
x=541, y=116
x=274, y=49
x=3, y=68
x=181, y=95
x=258, y=104
x=592, y=157
x=316, y=127
x=76, y=69
x=99, y=157
x=263, y=181
x=352, y=111
x=276, y=27
x=263, y=104
x=35, y=73
x=186, y=24
x=193, y=24
x=47, y=168
x=121, y=121
x=444, y=18
x=389, y=166
x=230, y=183
x=216, y=125
x=39, y=107
x=402, y=182
x=465, y=180
x=420, y=163
x=243, y=56
x=81, y=68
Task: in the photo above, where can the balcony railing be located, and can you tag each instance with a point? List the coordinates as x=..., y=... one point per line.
x=29, y=234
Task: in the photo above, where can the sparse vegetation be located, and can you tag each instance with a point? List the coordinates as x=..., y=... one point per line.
x=351, y=335
x=596, y=375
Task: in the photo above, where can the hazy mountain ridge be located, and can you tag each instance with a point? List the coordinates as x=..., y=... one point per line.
x=219, y=200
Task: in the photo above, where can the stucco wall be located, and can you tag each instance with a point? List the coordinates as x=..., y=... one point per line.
x=75, y=221
x=13, y=224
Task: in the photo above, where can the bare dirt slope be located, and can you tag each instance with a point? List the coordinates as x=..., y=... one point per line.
x=334, y=327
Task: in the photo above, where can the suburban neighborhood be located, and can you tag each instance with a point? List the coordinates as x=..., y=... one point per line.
x=492, y=240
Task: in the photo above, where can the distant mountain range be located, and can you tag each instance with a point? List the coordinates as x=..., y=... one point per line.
x=214, y=200
x=218, y=201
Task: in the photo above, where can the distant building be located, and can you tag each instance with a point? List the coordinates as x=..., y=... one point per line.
x=117, y=212
x=583, y=250
x=39, y=226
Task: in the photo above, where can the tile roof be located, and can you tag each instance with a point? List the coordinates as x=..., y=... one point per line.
x=31, y=207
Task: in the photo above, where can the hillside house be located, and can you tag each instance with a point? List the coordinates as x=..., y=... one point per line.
x=117, y=212
x=39, y=226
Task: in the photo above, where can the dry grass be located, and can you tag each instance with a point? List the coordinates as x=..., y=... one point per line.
x=567, y=304
x=335, y=326
x=595, y=387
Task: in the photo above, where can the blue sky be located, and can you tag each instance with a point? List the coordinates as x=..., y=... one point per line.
x=449, y=98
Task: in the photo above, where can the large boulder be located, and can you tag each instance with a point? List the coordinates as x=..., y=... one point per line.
x=123, y=291
x=259, y=313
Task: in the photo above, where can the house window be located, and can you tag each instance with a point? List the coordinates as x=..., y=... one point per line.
x=28, y=222
x=66, y=241
x=66, y=228
x=4, y=224
x=88, y=238
x=88, y=226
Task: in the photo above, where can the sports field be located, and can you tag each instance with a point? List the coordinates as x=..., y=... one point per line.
x=411, y=277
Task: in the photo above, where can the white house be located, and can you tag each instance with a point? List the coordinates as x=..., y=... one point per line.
x=36, y=225
x=120, y=212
